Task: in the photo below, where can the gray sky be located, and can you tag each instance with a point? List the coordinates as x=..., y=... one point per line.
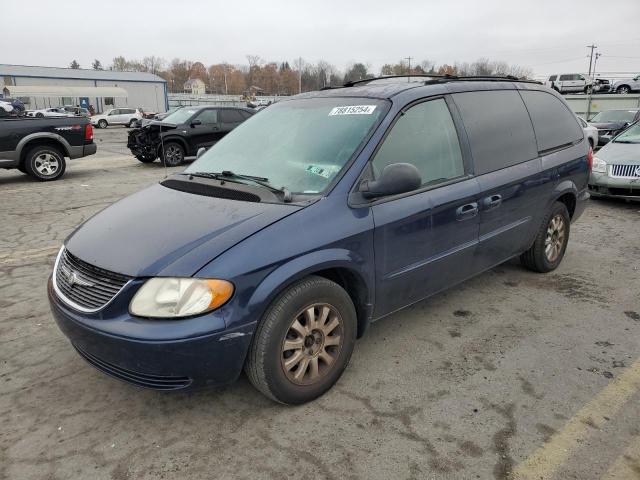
x=547, y=36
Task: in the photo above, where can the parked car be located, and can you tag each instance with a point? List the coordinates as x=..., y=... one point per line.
x=279, y=246
x=55, y=112
x=38, y=146
x=569, y=82
x=158, y=116
x=79, y=111
x=590, y=131
x=616, y=168
x=611, y=122
x=601, y=85
x=627, y=85
x=117, y=116
x=6, y=109
x=182, y=133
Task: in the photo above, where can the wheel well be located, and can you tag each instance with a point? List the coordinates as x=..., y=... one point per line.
x=41, y=142
x=569, y=200
x=355, y=286
x=591, y=142
x=623, y=85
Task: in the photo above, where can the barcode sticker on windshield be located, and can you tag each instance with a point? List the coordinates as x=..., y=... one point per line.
x=353, y=110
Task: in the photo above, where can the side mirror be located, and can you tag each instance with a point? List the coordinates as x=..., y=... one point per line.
x=395, y=178
x=196, y=122
x=201, y=150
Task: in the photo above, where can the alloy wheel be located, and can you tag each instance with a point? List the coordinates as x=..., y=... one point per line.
x=46, y=164
x=173, y=155
x=554, y=240
x=312, y=344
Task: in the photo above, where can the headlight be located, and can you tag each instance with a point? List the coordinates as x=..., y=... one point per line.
x=599, y=165
x=179, y=297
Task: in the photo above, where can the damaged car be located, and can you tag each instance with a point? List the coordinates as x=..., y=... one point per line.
x=182, y=133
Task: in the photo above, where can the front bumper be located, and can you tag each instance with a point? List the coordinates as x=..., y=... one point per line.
x=184, y=363
x=602, y=185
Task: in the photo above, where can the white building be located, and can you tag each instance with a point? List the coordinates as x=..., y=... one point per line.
x=194, y=86
x=43, y=87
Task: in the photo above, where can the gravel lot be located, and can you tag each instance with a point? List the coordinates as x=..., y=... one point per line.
x=511, y=374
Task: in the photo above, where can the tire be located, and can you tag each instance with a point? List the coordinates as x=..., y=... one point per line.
x=21, y=168
x=623, y=89
x=591, y=143
x=173, y=154
x=39, y=115
x=45, y=163
x=102, y=124
x=131, y=123
x=548, y=249
x=145, y=159
x=271, y=366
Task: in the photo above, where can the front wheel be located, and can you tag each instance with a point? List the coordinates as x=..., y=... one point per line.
x=144, y=159
x=304, y=342
x=548, y=249
x=623, y=89
x=173, y=154
x=102, y=124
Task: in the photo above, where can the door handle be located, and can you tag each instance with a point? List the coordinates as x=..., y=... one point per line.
x=467, y=211
x=491, y=202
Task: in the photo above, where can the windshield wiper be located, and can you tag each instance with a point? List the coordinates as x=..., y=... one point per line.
x=230, y=176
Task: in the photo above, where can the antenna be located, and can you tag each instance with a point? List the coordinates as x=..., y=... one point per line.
x=163, y=156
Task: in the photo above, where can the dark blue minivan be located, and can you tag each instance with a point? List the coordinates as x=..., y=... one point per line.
x=278, y=247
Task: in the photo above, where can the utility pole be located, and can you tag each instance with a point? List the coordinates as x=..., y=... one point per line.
x=592, y=47
x=409, y=60
x=299, y=62
x=224, y=69
x=595, y=62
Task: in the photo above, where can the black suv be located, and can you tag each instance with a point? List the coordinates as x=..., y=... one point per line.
x=184, y=132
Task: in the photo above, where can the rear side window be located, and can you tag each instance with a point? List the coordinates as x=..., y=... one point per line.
x=555, y=125
x=231, y=116
x=552, y=78
x=426, y=137
x=566, y=77
x=498, y=127
x=244, y=114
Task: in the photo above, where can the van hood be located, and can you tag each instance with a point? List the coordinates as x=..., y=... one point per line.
x=164, y=232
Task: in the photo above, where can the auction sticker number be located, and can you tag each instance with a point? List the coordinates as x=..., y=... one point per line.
x=353, y=110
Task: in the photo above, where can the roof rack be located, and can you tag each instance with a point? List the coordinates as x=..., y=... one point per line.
x=439, y=78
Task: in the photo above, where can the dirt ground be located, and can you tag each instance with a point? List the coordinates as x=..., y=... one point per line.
x=510, y=375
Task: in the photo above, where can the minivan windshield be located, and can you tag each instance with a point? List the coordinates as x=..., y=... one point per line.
x=614, y=116
x=180, y=116
x=300, y=145
x=631, y=135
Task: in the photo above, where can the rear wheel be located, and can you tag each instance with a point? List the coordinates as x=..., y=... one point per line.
x=40, y=115
x=173, y=154
x=304, y=341
x=132, y=123
x=102, y=124
x=623, y=89
x=45, y=163
x=548, y=249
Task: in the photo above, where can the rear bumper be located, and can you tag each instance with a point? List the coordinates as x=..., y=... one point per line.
x=210, y=360
x=581, y=204
x=82, y=150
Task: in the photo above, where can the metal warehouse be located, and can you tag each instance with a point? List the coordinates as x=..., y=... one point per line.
x=43, y=87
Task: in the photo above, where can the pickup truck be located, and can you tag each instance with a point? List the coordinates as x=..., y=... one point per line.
x=38, y=146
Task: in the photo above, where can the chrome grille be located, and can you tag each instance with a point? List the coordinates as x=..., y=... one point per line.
x=83, y=286
x=625, y=171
